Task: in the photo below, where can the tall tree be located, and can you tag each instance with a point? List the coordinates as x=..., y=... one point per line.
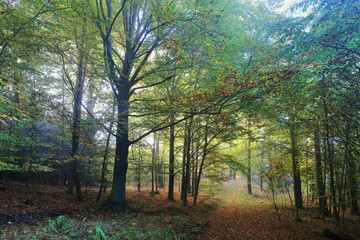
x=131, y=32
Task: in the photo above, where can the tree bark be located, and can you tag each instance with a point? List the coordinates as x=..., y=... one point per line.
x=104, y=163
x=351, y=173
x=187, y=164
x=248, y=172
x=319, y=176
x=183, y=176
x=171, y=162
x=296, y=170
x=76, y=128
x=331, y=164
x=117, y=196
x=197, y=182
x=153, y=157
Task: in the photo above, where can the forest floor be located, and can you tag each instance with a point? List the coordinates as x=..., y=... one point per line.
x=231, y=214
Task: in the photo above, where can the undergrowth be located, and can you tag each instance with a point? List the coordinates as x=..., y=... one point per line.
x=149, y=227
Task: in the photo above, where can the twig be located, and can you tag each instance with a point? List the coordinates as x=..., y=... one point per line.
x=20, y=219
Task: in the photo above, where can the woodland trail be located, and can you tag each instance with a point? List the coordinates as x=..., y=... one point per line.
x=240, y=216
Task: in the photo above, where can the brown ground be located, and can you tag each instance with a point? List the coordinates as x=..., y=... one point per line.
x=236, y=216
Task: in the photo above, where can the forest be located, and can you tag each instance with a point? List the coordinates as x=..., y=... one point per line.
x=179, y=119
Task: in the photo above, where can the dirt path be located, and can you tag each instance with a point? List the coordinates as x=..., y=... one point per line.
x=240, y=216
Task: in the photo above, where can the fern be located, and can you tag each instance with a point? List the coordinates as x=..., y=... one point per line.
x=61, y=224
x=100, y=232
x=52, y=228
x=117, y=236
x=130, y=234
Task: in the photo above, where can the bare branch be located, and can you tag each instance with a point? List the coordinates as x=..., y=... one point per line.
x=151, y=85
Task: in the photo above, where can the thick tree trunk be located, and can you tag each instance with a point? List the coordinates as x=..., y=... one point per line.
x=121, y=89
x=117, y=196
x=171, y=162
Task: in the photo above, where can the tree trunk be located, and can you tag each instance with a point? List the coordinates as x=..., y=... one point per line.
x=296, y=171
x=139, y=170
x=153, y=157
x=187, y=164
x=261, y=171
x=319, y=175
x=158, y=165
x=117, y=196
x=171, y=162
x=104, y=163
x=248, y=172
x=351, y=173
x=78, y=93
x=183, y=178
x=331, y=164
x=32, y=137
x=197, y=182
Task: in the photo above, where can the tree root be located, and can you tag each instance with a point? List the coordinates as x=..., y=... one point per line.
x=119, y=207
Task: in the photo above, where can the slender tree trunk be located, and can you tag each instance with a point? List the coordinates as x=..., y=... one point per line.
x=248, y=172
x=331, y=165
x=171, y=162
x=153, y=157
x=195, y=172
x=183, y=178
x=78, y=93
x=261, y=171
x=296, y=171
x=32, y=137
x=351, y=174
x=197, y=182
x=325, y=157
x=158, y=165
x=187, y=164
x=139, y=170
x=319, y=175
x=104, y=163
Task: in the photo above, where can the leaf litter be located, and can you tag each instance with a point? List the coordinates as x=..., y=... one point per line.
x=229, y=215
